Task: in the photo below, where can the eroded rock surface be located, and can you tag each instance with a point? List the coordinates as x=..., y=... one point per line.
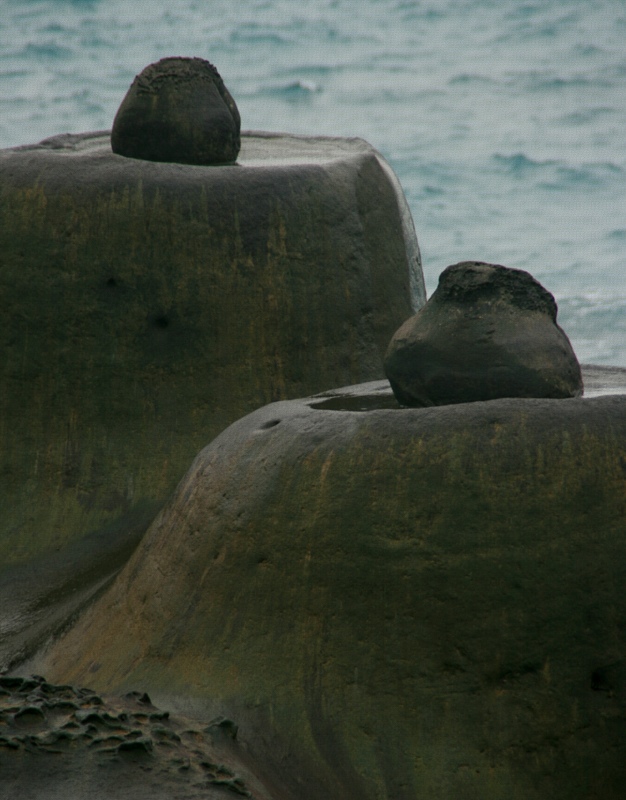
x=62, y=741
x=178, y=110
x=486, y=332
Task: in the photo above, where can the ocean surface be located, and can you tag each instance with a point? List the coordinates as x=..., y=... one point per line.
x=504, y=120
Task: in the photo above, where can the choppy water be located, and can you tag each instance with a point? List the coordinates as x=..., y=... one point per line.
x=503, y=119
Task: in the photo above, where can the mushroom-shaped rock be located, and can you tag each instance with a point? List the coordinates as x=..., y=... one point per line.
x=390, y=602
x=487, y=332
x=146, y=306
x=178, y=110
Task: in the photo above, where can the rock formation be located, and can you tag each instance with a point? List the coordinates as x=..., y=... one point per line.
x=392, y=603
x=146, y=306
x=178, y=110
x=486, y=332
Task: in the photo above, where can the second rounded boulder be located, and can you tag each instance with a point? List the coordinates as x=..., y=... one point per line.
x=487, y=332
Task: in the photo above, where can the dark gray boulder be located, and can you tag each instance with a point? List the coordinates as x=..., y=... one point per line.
x=178, y=110
x=487, y=332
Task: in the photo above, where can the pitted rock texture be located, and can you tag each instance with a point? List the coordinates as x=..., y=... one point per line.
x=99, y=739
x=487, y=332
x=178, y=110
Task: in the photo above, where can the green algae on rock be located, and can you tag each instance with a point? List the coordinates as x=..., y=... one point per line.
x=392, y=603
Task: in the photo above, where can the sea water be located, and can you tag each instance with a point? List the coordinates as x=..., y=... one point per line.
x=504, y=120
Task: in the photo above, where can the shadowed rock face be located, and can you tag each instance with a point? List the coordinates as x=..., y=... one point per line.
x=486, y=332
x=146, y=306
x=392, y=603
x=178, y=110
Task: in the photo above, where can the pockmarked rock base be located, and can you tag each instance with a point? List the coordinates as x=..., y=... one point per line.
x=391, y=602
x=487, y=332
x=146, y=306
x=62, y=742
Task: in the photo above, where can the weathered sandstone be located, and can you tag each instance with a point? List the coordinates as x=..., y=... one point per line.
x=392, y=603
x=146, y=306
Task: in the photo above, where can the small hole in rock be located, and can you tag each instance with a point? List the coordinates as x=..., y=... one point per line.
x=161, y=322
x=598, y=682
x=269, y=424
x=112, y=282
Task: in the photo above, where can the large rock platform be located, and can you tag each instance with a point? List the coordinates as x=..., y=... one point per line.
x=145, y=307
x=391, y=603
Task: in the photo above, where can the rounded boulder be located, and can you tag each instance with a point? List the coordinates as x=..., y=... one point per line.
x=178, y=110
x=487, y=332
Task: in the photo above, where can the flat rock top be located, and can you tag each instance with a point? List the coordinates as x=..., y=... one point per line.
x=599, y=381
x=258, y=149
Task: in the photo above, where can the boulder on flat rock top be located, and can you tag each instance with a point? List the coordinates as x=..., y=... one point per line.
x=178, y=110
x=391, y=602
x=487, y=332
x=145, y=307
